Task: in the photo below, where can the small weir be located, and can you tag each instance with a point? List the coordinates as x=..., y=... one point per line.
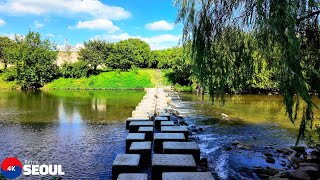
x=157, y=146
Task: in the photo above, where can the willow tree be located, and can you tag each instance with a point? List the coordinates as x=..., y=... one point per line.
x=287, y=28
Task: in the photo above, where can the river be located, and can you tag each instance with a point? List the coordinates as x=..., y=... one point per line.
x=84, y=130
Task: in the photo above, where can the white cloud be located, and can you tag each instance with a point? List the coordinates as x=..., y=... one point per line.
x=50, y=35
x=37, y=24
x=156, y=42
x=101, y=24
x=160, y=25
x=2, y=22
x=94, y=8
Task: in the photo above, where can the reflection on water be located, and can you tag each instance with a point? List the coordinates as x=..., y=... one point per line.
x=81, y=130
x=257, y=120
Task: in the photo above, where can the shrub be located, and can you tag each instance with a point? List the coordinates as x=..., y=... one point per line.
x=9, y=74
x=74, y=70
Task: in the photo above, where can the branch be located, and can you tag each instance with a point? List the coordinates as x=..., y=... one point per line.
x=309, y=15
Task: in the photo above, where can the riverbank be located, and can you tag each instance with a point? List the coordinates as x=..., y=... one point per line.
x=135, y=79
x=7, y=84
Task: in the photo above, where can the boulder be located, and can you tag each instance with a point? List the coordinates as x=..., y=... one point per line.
x=270, y=160
x=299, y=149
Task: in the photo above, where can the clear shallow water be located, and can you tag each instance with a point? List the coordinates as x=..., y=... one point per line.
x=84, y=130
x=256, y=120
x=81, y=130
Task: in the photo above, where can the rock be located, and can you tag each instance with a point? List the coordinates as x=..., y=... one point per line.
x=294, y=159
x=313, y=172
x=267, y=171
x=200, y=129
x=314, y=156
x=254, y=137
x=227, y=148
x=263, y=176
x=284, y=174
x=235, y=142
x=283, y=164
x=244, y=146
x=204, y=162
x=270, y=160
x=295, y=166
x=310, y=164
x=268, y=154
x=299, y=149
x=280, y=151
x=299, y=175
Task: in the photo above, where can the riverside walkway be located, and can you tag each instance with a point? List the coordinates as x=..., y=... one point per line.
x=156, y=146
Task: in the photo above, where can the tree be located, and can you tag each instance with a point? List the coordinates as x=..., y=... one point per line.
x=34, y=61
x=94, y=53
x=5, y=45
x=287, y=26
x=122, y=57
x=140, y=51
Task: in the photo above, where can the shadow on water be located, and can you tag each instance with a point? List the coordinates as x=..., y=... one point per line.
x=257, y=121
x=81, y=130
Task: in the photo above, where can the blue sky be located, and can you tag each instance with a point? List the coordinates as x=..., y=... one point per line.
x=81, y=20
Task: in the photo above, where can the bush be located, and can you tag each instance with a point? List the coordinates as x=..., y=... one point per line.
x=74, y=70
x=9, y=74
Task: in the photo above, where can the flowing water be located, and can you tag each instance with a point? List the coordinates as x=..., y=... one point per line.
x=84, y=130
x=259, y=121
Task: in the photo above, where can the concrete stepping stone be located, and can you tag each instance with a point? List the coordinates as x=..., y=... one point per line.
x=148, y=130
x=134, y=125
x=134, y=137
x=172, y=163
x=182, y=148
x=133, y=176
x=176, y=129
x=159, y=138
x=135, y=119
x=125, y=163
x=167, y=123
x=157, y=121
x=187, y=175
x=165, y=115
x=144, y=149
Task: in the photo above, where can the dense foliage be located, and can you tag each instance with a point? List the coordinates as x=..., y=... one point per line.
x=74, y=70
x=33, y=60
x=286, y=32
x=5, y=45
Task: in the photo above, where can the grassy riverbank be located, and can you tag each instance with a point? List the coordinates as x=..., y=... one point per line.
x=7, y=84
x=136, y=79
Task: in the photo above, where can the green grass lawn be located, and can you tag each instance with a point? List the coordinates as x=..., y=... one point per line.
x=136, y=79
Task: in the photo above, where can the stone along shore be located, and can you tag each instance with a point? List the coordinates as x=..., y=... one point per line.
x=157, y=144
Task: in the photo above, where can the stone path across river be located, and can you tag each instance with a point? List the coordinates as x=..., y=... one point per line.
x=156, y=143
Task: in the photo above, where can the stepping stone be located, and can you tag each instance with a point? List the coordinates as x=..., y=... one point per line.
x=187, y=175
x=157, y=121
x=167, y=123
x=172, y=163
x=125, y=163
x=176, y=129
x=134, y=137
x=133, y=176
x=144, y=149
x=159, y=138
x=135, y=119
x=165, y=115
x=134, y=125
x=148, y=130
x=182, y=148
